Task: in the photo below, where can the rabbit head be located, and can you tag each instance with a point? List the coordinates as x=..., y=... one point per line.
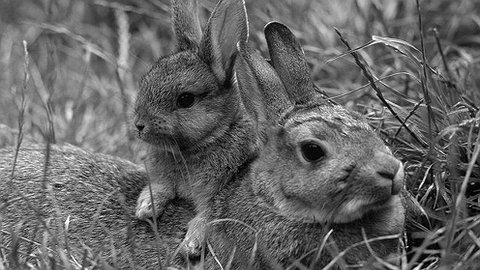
x=188, y=97
x=321, y=163
x=328, y=166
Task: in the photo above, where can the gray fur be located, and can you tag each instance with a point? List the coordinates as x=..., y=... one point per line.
x=97, y=194
x=193, y=151
x=292, y=203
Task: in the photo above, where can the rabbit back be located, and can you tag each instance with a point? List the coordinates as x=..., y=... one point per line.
x=85, y=200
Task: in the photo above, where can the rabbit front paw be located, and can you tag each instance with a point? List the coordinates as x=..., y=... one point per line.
x=148, y=203
x=192, y=245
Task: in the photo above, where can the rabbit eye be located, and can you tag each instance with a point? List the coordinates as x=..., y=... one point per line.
x=185, y=100
x=312, y=151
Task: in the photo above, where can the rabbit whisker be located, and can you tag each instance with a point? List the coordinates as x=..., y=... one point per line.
x=182, y=159
x=189, y=180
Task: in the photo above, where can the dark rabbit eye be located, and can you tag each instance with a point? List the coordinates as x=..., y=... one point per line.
x=185, y=100
x=312, y=151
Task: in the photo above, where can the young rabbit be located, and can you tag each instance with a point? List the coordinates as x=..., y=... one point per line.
x=189, y=112
x=322, y=168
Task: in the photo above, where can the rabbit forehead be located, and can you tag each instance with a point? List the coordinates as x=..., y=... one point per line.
x=327, y=122
x=334, y=114
x=173, y=75
x=178, y=71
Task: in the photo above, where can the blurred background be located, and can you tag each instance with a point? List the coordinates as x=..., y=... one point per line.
x=69, y=71
x=86, y=57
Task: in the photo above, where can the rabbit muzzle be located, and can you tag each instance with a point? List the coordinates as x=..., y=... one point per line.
x=390, y=172
x=153, y=132
x=377, y=184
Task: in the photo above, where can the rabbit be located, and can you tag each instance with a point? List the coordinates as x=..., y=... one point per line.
x=190, y=114
x=83, y=207
x=323, y=182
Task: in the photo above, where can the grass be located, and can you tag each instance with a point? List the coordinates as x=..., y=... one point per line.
x=75, y=77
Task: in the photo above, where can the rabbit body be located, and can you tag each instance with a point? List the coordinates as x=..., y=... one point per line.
x=85, y=201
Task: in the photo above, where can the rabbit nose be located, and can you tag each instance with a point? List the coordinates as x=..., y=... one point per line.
x=139, y=125
x=393, y=174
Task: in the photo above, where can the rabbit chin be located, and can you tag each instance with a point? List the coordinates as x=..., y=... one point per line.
x=357, y=208
x=347, y=212
x=161, y=142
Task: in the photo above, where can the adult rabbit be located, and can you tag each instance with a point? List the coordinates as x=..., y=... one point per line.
x=323, y=183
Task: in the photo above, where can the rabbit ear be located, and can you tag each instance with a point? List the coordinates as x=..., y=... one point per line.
x=186, y=24
x=262, y=91
x=227, y=26
x=289, y=61
x=248, y=85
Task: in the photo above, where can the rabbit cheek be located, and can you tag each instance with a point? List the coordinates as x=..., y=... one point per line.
x=303, y=202
x=192, y=134
x=349, y=211
x=360, y=200
x=392, y=219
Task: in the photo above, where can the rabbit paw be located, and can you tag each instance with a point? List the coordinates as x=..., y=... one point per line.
x=146, y=204
x=193, y=243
